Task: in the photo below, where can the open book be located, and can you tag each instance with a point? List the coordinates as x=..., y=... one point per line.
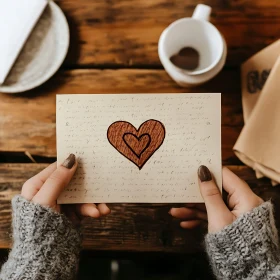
x=142, y=148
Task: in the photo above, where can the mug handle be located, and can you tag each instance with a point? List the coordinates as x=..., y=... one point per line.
x=202, y=12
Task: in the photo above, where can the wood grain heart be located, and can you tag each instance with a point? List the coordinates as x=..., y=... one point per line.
x=137, y=145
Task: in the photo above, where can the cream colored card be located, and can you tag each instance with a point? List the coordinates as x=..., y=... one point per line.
x=142, y=148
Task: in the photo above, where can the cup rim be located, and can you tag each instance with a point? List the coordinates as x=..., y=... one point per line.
x=165, y=32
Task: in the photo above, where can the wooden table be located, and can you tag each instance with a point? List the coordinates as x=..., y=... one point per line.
x=114, y=50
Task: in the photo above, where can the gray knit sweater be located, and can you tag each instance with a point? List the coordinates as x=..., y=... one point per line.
x=46, y=246
x=246, y=249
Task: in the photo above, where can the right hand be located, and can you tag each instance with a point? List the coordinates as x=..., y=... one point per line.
x=240, y=200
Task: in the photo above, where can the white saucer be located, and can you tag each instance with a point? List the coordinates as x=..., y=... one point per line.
x=43, y=53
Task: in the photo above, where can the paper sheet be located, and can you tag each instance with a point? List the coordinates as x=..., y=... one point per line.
x=258, y=144
x=183, y=129
x=254, y=74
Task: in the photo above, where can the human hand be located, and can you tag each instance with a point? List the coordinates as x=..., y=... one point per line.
x=240, y=199
x=45, y=188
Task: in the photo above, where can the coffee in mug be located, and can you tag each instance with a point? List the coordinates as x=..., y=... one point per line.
x=192, y=50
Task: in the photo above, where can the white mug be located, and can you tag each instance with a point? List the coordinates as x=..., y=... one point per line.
x=198, y=33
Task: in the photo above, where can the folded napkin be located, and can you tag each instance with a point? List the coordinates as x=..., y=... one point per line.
x=17, y=19
x=257, y=145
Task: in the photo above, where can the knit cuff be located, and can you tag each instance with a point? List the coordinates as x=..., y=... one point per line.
x=46, y=245
x=247, y=248
x=33, y=222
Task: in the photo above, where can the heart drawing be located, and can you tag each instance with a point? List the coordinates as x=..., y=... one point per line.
x=137, y=145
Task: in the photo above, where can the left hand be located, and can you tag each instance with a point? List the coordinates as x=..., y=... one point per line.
x=45, y=188
x=192, y=216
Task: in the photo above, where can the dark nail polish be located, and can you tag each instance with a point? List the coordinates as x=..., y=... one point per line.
x=70, y=161
x=204, y=174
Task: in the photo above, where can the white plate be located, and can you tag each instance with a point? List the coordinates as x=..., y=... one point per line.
x=43, y=53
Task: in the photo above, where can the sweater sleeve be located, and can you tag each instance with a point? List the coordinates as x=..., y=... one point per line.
x=46, y=245
x=246, y=249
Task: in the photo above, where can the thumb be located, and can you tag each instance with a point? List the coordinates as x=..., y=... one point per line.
x=56, y=182
x=218, y=214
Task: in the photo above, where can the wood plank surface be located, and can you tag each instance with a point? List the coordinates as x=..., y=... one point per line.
x=130, y=227
x=126, y=32
x=27, y=121
x=112, y=35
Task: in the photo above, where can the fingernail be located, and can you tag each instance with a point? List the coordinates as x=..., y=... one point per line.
x=204, y=174
x=70, y=161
